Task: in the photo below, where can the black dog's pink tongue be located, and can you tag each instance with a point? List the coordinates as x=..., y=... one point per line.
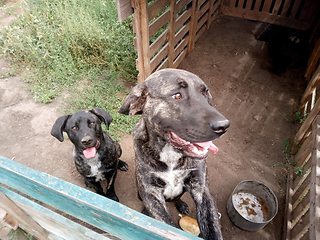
x=208, y=145
x=90, y=152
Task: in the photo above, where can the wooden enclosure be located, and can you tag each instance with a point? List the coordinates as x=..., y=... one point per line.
x=166, y=30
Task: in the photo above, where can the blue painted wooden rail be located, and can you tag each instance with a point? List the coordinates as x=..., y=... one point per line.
x=107, y=215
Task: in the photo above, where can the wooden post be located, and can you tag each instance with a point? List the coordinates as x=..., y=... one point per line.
x=23, y=218
x=7, y=223
x=314, y=229
x=288, y=209
x=209, y=14
x=141, y=28
x=171, y=33
x=193, y=25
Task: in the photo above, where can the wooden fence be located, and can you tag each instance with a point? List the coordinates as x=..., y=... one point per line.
x=35, y=200
x=303, y=192
x=166, y=30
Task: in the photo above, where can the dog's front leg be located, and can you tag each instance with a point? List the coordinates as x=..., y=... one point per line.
x=207, y=214
x=155, y=206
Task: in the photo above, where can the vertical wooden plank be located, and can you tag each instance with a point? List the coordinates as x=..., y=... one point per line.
x=285, y=9
x=171, y=33
x=210, y=13
x=276, y=7
x=288, y=210
x=266, y=6
x=22, y=217
x=249, y=4
x=240, y=4
x=142, y=39
x=314, y=230
x=295, y=8
x=257, y=5
x=124, y=9
x=193, y=25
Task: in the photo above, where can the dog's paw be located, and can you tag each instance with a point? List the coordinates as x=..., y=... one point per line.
x=112, y=196
x=145, y=212
x=182, y=207
x=123, y=166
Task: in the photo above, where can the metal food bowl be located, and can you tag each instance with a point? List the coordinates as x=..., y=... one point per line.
x=252, y=205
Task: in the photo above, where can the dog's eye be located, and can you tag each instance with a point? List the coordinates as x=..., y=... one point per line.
x=74, y=128
x=92, y=124
x=206, y=92
x=177, y=96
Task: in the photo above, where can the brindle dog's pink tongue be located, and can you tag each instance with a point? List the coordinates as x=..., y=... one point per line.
x=209, y=145
x=90, y=152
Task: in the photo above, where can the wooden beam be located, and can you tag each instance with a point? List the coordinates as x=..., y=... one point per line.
x=87, y=206
x=7, y=223
x=193, y=25
x=142, y=38
x=306, y=125
x=22, y=217
x=288, y=210
x=172, y=21
x=314, y=229
x=266, y=17
x=313, y=60
x=124, y=9
x=57, y=225
x=311, y=85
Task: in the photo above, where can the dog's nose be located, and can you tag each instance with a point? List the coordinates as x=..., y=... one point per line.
x=86, y=140
x=220, y=127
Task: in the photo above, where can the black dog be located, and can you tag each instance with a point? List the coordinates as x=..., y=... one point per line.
x=95, y=154
x=171, y=142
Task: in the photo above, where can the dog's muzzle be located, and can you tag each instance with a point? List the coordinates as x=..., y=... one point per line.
x=196, y=150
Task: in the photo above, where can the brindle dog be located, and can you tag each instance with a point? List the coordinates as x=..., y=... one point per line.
x=96, y=155
x=171, y=143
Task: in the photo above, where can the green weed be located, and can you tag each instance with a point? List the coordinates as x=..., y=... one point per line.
x=299, y=117
x=73, y=47
x=290, y=163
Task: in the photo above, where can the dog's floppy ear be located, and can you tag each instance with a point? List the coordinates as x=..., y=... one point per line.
x=59, y=127
x=103, y=115
x=134, y=102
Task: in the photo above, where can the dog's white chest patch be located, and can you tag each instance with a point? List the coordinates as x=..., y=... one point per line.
x=174, y=178
x=94, y=164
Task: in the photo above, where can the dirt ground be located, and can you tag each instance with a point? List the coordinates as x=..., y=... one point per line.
x=236, y=67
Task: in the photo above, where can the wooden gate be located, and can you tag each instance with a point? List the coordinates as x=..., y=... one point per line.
x=166, y=30
x=50, y=208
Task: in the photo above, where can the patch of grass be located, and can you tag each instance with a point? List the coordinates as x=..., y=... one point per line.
x=19, y=234
x=299, y=117
x=77, y=47
x=102, y=90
